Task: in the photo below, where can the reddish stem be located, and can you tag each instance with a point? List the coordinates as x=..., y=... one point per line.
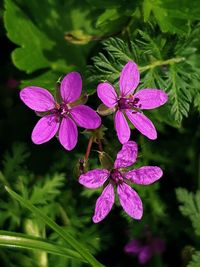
x=87, y=154
x=100, y=145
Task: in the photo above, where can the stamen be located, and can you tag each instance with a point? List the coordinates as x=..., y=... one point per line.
x=60, y=110
x=130, y=103
x=116, y=177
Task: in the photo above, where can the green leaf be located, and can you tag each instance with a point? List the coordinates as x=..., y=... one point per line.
x=40, y=34
x=119, y=49
x=190, y=207
x=29, y=57
x=147, y=7
x=179, y=91
x=116, y=17
x=171, y=16
x=59, y=230
x=107, y=68
x=109, y=14
x=195, y=260
x=151, y=46
x=46, y=80
x=12, y=239
x=13, y=160
x=184, y=9
x=47, y=190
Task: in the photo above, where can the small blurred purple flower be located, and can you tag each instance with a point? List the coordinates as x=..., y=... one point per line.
x=145, y=247
x=60, y=117
x=131, y=105
x=129, y=199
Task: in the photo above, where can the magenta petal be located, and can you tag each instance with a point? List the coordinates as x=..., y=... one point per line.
x=68, y=133
x=38, y=99
x=151, y=98
x=130, y=201
x=134, y=246
x=122, y=128
x=45, y=129
x=144, y=175
x=145, y=254
x=85, y=117
x=71, y=87
x=107, y=94
x=127, y=155
x=94, y=178
x=129, y=78
x=143, y=124
x=104, y=203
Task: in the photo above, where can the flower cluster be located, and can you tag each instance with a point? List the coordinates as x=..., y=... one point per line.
x=61, y=117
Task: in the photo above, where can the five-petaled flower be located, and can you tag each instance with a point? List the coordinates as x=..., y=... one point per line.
x=127, y=104
x=60, y=117
x=129, y=199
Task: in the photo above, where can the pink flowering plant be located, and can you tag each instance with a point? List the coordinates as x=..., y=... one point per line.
x=120, y=178
x=116, y=83
x=63, y=117
x=126, y=104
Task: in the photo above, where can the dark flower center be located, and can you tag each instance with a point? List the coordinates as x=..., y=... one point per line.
x=116, y=176
x=63, y=109
x=129, y=103
x=60, y=110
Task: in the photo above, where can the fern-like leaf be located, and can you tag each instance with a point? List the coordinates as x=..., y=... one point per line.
x=190, y=207
x=195, y=260
x=47, y=190
x=13, y=161
x=179, y=91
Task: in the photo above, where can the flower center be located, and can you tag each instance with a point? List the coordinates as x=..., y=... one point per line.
x=129, y=103
x=63, y=109
x=116, y=176
x=60, y=110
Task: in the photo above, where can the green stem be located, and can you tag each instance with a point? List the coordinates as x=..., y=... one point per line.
x=64, y=217
x=161, y=63
x=59, y=230
x=31, y=228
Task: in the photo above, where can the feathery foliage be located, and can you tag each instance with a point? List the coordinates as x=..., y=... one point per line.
x=195, y=260
x=177, y=75
x=190, y=207
x=46, y=191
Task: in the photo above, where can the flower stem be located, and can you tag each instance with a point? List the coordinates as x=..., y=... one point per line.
x=161, y=63
x=100, y=145
x=87, y=154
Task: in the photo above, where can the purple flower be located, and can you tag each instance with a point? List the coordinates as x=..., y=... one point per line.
x=129, y=199
x=145, y=247
x=130, y=106
x=60, y=117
